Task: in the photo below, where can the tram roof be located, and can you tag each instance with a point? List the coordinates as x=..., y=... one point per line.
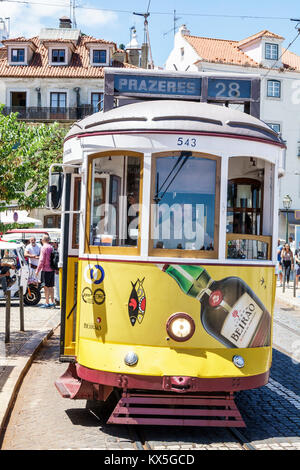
x=175, y=115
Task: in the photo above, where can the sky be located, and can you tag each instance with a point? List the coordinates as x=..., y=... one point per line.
x=230, y=19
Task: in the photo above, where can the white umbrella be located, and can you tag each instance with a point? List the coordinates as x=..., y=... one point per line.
x=20, y=217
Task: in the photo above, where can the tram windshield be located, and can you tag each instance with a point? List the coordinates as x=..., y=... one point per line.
x=114, y=211
x=183, y=214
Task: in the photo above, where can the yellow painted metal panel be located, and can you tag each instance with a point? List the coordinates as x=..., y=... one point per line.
x=105, y=331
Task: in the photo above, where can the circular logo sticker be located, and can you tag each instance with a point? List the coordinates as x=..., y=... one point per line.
x=94, y=274
x=99, y=296
x=87, y=295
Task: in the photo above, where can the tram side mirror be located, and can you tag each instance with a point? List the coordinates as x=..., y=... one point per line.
x=55, y=188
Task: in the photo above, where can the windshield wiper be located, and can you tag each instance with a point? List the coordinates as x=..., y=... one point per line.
x=184, y=156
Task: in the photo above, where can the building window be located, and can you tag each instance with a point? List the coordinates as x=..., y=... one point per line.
x=58, y=100
x=58, y=56
x=99, y=56
x=275, y=127
x=97, y=102
x=52, y=221
x=272, y=51
x=274, y=89
x=18, y=55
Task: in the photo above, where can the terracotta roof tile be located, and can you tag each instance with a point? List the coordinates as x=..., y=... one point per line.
x=265, y=33
x=291, y=60
x=39, y=66
x=219, y=50
x=229, y=52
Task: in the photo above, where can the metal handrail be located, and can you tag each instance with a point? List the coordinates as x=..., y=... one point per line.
x=50, y=113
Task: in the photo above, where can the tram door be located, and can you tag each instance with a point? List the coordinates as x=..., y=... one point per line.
x=70, y=272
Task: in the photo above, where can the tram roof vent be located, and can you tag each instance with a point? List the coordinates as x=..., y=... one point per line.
x=188, y=118
x=110, y=121
x=248, y=125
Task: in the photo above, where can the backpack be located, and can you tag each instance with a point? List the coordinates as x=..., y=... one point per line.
x=54, y=259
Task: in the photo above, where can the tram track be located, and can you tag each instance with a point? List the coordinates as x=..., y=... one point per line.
x=141, y=443
x=283, y=325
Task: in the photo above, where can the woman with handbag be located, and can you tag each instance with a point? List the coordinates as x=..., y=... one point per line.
x=287, y=262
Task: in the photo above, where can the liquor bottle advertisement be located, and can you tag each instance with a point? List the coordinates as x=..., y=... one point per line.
x=132, y=303
x=231, y=312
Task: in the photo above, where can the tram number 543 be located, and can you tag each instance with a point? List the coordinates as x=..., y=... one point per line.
x=186, y=142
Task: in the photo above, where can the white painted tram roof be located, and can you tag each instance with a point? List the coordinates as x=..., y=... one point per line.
x=175, y=115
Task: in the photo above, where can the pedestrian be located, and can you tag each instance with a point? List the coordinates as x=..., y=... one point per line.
x=297, y=265
x=32, y=252
x=278, y=269
x=48, y=273
x=56, y=277
x=287, y=262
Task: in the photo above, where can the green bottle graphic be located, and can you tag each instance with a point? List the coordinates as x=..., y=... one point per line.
x=230, y=311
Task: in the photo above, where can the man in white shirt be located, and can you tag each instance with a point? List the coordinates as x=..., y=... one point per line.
x=32, y=252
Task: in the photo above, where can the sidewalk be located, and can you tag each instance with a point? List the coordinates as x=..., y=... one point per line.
x=17, y=355
x=288, y=296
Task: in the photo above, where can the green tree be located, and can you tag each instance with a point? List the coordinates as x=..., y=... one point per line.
x=26, y=153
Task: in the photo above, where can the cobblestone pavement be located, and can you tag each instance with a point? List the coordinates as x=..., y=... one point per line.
x=41, y=419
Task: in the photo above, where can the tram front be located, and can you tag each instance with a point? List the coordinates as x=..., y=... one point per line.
x=172, y=206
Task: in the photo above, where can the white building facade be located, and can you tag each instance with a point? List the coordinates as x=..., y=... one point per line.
x=279, y=70
x=55, y=76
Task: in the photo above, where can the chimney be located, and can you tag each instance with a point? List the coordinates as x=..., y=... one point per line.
x=184, y=31
x=144, y=57
x=65, y=22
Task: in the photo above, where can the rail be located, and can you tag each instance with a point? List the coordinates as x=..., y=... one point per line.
x=36, y=113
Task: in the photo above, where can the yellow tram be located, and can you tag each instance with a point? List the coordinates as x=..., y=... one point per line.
x=168, y=251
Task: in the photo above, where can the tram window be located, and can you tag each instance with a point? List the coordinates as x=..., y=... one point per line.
x=244, y=202
x=248, y=248
x=76, y=207
x=115, y=193
x=184, y=203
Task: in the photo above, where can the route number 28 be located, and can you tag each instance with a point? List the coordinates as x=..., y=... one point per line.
x=187, y=142
x=224, y=89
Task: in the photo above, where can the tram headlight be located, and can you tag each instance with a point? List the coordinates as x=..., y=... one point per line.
x=238, y=361
x=180, y=327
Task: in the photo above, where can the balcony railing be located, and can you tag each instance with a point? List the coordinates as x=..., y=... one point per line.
x=35, y=113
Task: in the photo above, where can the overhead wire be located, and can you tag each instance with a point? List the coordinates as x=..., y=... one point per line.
x=215, y=15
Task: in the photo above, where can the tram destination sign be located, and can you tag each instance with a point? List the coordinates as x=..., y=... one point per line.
x=222, y=88
x=145, y=85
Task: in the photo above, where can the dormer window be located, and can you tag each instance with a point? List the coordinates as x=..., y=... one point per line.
x=18, y=55
x=99, y=56
x=58, y=56
x=271, y=51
